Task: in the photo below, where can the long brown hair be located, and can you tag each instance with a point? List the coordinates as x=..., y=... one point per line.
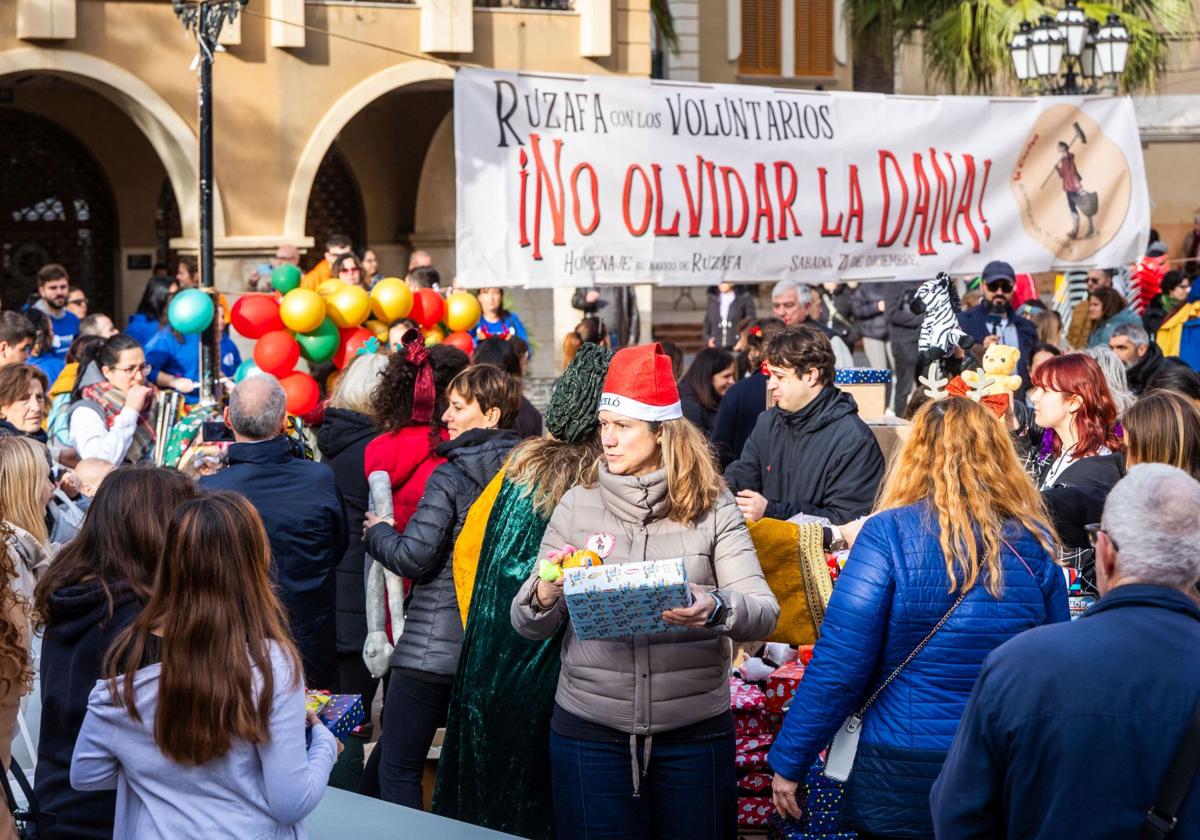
x=16, y=668
x=693, y=482
x=960, y=459
x=121, y=537
x=217, y=616
x=1163, y=427
x=547, y=468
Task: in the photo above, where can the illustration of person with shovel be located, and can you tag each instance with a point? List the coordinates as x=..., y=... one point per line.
x=1078, y=199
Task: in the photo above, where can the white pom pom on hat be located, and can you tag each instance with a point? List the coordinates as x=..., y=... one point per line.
x=641, y=384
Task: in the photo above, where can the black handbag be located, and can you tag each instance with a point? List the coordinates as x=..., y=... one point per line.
x=31, y=822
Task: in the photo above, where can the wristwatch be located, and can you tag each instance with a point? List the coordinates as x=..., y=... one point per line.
x=836, y=541
x=717, y=616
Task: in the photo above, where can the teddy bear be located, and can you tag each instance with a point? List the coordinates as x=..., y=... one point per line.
x=997, y=377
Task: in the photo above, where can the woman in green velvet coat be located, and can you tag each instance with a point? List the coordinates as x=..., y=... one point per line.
x=495, y=764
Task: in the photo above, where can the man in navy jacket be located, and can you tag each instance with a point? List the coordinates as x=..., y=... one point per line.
x=994, y=321
x=303, y=513
x=1070, y=727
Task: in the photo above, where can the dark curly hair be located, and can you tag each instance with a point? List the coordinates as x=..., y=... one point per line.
x=393, y=397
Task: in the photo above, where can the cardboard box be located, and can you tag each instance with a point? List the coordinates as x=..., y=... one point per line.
x=625, y=599
x=871, y=399
x=889, y=433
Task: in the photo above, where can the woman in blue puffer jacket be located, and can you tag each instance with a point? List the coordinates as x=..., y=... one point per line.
x=957, y=517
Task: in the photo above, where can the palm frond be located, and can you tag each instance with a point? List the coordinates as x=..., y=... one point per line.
x=665, y=21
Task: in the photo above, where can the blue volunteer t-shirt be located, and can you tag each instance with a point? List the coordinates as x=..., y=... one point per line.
x=66, y=327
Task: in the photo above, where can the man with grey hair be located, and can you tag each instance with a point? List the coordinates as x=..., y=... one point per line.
x=1073, y=729
x=795, y=303
x=302, y=511
x=1141, y=356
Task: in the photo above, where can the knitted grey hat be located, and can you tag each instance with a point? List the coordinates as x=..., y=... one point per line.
x=571, y=412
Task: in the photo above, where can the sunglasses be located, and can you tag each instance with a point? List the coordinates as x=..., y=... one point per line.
x=999, y=286
x=1094, y=531
x=348, y=269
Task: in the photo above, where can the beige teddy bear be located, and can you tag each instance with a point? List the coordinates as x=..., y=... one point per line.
x=997, y=377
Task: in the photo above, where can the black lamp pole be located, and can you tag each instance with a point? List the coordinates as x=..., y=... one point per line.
x=206, y=18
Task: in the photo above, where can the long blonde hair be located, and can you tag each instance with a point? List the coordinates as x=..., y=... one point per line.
x=693, y=482
x=959, y=458
x=24, y=470
x=547, y=468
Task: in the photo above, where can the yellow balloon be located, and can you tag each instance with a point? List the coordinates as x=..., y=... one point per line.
x=462, y=311
x=434, y=335
x=328, y=287
x=391, y=300
x=302, y=310
x=349, y=306
x=379, y=328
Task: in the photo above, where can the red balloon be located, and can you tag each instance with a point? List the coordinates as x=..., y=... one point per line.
x=461, y=340
x=302, y=392
x=428, y=308
x=277, y=353
x=256, y=315
x=353, y=338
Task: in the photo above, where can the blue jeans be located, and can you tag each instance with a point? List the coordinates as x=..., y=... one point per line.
x=688, y=792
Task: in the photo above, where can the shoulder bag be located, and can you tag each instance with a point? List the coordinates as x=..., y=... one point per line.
x=31, y=822
x=1161, y=818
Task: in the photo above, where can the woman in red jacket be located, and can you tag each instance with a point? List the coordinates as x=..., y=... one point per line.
x=409, y=402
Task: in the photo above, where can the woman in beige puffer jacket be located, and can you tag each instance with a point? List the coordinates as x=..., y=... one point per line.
x=642, y=739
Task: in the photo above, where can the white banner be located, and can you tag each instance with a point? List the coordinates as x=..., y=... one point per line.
x=570, y=181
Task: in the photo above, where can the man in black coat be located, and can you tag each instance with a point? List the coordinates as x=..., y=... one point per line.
x=1071, y=727
x=994, y=321
x=810, y=453
x=1142, y=357
x=303, y=513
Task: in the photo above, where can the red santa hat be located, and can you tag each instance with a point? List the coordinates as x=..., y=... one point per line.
x=641, y=384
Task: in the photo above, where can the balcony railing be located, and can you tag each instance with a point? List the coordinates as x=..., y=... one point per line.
x=545, y=5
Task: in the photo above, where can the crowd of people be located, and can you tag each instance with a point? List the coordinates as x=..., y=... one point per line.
x=174, y=623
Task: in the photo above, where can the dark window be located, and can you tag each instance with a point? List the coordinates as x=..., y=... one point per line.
x=334, y=206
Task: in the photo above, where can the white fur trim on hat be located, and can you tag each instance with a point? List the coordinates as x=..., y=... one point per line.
x=629, y=407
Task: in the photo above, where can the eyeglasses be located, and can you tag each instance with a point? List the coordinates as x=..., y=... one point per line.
x=132, y=369
x=999, y=286
x=348, y=269
x=1094, y=531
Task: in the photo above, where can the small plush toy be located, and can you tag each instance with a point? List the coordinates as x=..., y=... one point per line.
x=997, y=377
x=551, y=569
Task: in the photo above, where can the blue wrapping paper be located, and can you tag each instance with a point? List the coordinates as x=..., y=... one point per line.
x=862, y=376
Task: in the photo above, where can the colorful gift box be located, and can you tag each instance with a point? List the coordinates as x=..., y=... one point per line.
x=751, y=762
x=625, y=599
x=315, y=701
x=743, y=696
x=753, y=743
x=781, y=685
x=862, y=376
x=342, y=714
x=751, y=722
x=754, y=811
x=754, y=782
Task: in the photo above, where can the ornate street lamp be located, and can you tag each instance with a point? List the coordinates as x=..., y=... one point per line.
x=1069, y=54
x=206, y=18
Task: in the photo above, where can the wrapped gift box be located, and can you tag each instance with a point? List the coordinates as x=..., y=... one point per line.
x=868, y=386
x=755, y=783
x=781, y=685
x=753, y=743
x=751, y=762
x=744, y=697
x=315, y=701
x=751, y=722
x=754, y=811
x=342, y=713
x=625, y=599
x=862, y=376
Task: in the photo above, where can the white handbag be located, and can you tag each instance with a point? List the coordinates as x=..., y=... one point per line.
x=839, y=760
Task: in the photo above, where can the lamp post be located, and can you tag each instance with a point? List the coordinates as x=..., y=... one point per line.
x=1069, y=54
x=206, y=18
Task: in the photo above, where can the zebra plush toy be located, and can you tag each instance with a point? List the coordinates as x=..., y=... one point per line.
x=940, y=333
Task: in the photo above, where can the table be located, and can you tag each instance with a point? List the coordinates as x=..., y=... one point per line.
x=348, y=815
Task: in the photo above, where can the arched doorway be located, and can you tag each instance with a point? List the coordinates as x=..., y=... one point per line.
x=334, y=206
x=56, y=205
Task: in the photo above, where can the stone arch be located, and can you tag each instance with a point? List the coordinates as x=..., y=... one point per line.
x=168, y=133
x=336, y=118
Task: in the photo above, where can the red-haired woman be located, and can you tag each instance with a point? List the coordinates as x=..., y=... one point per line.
x=1072, y=403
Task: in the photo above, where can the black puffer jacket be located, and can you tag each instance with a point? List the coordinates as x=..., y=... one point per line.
x=343, y=440
x=864, y=304
x=1144, y=370
x=433, y=630
x=821, y=460
x=78, y=633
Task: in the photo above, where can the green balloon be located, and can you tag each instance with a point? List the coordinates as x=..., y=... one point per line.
x=246, y=369
x=320, y=344
x=190, y=311
x=285, y=277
